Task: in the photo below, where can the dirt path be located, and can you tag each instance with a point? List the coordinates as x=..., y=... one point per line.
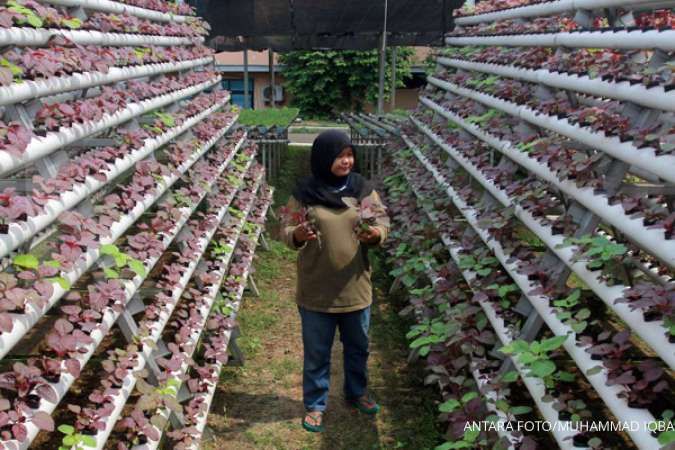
x=259, y=405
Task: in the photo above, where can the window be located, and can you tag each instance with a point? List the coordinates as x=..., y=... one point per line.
x=236, y=88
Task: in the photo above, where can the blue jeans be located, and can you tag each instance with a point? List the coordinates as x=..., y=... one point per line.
x=318, y=331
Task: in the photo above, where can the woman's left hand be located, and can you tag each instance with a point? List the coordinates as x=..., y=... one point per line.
x=370, y=236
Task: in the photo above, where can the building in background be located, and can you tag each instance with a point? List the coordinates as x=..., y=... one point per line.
x=231, y=65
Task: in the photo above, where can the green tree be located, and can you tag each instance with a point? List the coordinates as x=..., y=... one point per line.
x=324, y=83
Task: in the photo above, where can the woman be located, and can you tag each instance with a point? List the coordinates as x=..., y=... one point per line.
x=334, y=288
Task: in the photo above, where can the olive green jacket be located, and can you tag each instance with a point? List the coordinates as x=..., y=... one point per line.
x=333, y=271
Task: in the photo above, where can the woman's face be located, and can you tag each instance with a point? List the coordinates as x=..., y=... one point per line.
x=344, y=163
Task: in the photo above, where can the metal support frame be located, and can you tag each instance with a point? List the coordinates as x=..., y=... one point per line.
x=383, y=52
x=253, y=286
x=392, y=94
x=246, y=79
x=559, y=273
x=263, y=242
x=271, y=63
x=236, y=357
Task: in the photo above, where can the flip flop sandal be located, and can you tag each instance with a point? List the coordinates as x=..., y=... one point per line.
x=317, y=418
x=366, y=405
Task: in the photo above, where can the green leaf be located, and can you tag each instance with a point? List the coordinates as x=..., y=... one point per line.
x=510, y=376
x=667, y=437
x=65, y=284
x=420, y=341
x=579, y=327
x=449, y=406
x=120, y=259
x=66, y=429
x=565, y=376
x=110, y=273
x=553, y=343
x=594, y=371
x=52, y=263
x=583, y=314
x=471, y=434
x=73, y=23
x=518, y=410
x=542, y=368
x=26, y=261
x=34, y=21
x=469, y=396
x=137, y=267
x=69, y=441
x=408, y=280
x=109, y=249
x=88, y=441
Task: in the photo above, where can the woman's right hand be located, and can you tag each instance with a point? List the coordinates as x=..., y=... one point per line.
x=303, y=232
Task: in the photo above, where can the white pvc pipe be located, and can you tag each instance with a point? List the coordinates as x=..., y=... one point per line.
x=129, y=381
x=535, y=386
x=110, y=316
x=490, y=394
x=43, y=146
x=627, y=40
x=549, y=9
x=653, y=334
x=18, y=92
x=31, y=37
x=152, y=445
x=644, y=158
x=609, y=394
x=656, y=97
x=652, y=240
x=200, y=424
x=120, y=8
x=22, y=323
x=20, y=232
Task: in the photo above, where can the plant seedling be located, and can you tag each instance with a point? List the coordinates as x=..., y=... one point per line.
x=370, y=213
x=75, y=441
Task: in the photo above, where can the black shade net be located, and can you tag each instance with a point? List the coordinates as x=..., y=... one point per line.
x=314, y=24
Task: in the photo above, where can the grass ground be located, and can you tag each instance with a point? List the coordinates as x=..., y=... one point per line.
x=259, y=405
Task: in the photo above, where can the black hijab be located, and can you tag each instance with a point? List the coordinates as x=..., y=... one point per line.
x=323, y=187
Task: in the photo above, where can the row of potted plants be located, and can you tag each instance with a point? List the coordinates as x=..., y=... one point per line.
x=164, y=6
x=172, y=279
x=604, y=119
x=637, y=377
x=53, y=116
x=62, y=257
x=82, y=313
x=451, y=331
x=660, y=19
x=62, y=57
x=187, y=323
x=100, y=162
x=29, y=13
x=566, y=159
x=482, y=265
x=607, y=64
x=483, y=7
x=203, y=378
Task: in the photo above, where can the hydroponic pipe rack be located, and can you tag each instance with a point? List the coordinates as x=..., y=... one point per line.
x=128, y=194
x=541, y=270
